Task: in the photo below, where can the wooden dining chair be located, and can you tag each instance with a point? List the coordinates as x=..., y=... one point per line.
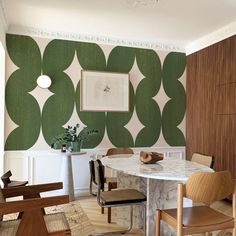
x=33, y=220
x=203, y=159
x=7, y=182
x=117, y=197
x=204, y=188
x=116, y=151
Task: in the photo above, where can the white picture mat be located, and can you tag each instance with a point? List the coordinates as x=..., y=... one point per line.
x=104, y=91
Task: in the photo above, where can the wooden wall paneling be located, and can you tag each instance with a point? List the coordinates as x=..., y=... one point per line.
x=211, y=104
x=199, y=118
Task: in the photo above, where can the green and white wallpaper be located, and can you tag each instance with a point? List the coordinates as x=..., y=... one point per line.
x=34, y=115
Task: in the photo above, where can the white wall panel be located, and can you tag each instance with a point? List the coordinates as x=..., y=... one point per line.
x=50, y=166
x=18, y=163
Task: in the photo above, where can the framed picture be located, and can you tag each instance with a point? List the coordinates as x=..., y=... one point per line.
x=104, y=91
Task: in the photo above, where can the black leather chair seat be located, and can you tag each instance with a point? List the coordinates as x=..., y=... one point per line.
x=121, y=196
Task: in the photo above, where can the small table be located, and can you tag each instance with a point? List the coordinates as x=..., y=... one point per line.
x=157, y=181
x=67, y=174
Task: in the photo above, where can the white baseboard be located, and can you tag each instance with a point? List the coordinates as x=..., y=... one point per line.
x=81, y=192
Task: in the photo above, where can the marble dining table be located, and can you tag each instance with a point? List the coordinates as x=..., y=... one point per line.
x=157, y=181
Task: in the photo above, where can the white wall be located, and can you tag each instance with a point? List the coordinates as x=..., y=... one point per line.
x=3, y=28
x=2, y=36
x=2, y=104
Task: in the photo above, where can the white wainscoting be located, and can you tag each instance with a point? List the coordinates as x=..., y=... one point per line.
x=17, y=163
x=47, y=166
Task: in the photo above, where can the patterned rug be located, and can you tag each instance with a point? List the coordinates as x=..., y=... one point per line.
x=78, y=220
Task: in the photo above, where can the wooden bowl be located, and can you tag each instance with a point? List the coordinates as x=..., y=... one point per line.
x=150, y=157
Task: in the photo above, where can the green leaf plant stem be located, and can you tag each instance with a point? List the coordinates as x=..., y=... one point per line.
x=72, y=135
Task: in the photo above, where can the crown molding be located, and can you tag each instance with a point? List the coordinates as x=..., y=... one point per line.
x=218, y=35
x=100, y=39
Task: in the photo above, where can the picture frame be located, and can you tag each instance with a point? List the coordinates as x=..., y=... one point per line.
x=104, y=91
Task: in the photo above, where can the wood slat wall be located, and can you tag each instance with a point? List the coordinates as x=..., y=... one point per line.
x=211, y=104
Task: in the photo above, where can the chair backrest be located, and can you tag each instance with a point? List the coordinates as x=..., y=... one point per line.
x=6, y=178
x=209, y=187
x=203, y=159
x=115, y=151
x=2, y=200
x=91, y=170
x=99, y=174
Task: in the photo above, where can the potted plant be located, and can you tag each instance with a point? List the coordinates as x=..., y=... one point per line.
x=71, y=138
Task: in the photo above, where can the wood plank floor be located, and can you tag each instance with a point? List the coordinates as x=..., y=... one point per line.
x=99, y=221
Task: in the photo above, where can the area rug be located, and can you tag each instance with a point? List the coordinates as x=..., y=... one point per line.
x=79, y=222
x=77, y=219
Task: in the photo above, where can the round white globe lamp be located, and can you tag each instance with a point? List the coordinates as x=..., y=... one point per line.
x=44, y=81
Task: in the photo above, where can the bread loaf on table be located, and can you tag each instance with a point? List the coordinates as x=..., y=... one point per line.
x=150, y=157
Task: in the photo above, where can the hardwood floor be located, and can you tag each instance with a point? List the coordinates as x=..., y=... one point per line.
x=93, y=211
x=99, y=221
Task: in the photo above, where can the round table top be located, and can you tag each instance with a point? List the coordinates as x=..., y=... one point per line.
x=167, y=169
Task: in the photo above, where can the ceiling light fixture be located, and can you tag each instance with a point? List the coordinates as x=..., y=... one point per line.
x=44, y=81
x=140, y=3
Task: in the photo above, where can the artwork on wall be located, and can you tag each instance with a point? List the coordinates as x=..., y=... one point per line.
x=155, y=91
x=104, y=91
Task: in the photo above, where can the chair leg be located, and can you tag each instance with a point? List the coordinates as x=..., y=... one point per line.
x=120, y=231
x=102, y=210
x=158, y=222
x=109, y=208
x=109, y=215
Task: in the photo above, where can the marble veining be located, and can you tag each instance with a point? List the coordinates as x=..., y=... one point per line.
x=157, y=181
x=167, y=169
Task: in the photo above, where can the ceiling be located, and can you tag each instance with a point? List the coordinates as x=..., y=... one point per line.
x=167, y=23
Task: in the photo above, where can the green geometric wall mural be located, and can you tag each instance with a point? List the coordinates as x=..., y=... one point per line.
x=24, y=110
x=58, y=109
x=21, y=106
x=174, y=110
x=148, y=110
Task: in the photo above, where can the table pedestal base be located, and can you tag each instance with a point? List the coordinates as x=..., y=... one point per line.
x=160, y=194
